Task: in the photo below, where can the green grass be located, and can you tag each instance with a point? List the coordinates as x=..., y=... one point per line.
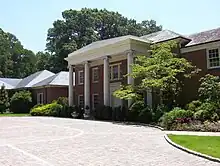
x=11, y=114
x=209, y=145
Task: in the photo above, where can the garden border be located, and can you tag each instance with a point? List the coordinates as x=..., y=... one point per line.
x=190, y=151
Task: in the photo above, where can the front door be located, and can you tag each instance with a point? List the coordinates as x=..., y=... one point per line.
x=114, y=102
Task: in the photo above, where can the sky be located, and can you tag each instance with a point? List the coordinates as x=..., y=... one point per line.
x=29, y=20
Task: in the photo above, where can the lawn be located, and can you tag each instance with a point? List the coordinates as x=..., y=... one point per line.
x=11, y=114
x=209, y=145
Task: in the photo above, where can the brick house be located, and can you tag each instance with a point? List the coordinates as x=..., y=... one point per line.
x=99, y=67
x=45, y=86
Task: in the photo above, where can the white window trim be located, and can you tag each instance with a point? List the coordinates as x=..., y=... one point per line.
x=79, y=99
x=93, y=69
x=80, y=83
x=207, y=58
x=39, y=101
x=93, y=105
x=111, y=71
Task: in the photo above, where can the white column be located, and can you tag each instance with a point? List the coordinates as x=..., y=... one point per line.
x=149, y=97
x=130, y=81
x=106, y=82
x=86, y=85
x=70, y=85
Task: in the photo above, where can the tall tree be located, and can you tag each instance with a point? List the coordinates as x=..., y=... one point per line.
x=15, y=61
x=162, y=70
x=43, y=61
x=4, y=100
x=79, y=28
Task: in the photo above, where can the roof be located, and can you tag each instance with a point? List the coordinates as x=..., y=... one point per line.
x=163, y=35
x=60, y=79
x=34, y=78
x=102, y=43
x=204, y=37
x=9, y=83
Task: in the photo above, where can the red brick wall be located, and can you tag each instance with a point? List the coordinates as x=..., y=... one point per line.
x=50, y=93
x=190, y=89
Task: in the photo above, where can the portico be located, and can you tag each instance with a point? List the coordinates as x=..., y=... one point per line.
x=104, y=53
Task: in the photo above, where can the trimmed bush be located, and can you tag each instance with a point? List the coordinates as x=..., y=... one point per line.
x=21, y=102
x=52, y=109
x=4, y=101
x=177, y=114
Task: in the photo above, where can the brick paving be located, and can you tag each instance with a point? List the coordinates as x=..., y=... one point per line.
x=39, y=141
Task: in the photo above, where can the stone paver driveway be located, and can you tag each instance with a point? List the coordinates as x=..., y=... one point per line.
x=33, y=141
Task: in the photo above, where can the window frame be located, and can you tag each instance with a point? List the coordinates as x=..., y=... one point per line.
x=93, y=97
x=208, y=59
x=93, y=69
x=39, y=99
x=79, y=100
x=79, y=74
x=111, y=71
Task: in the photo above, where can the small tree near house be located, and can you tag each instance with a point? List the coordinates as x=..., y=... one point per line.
x=4, y=100
x=161, y=70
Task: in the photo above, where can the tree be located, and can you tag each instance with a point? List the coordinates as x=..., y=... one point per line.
x=43, y=61
x=4, y=100
x=15, y=60
x=80, y=28
x=161, y=70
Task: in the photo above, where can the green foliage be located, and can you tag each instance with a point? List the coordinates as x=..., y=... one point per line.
x=79, y=28
x=52, y=109
x=192, y=106
x=4, y=100
x=21, y=102
x=209, y=89
x=163, y=70
x=15, y=60
x=207, y=111
x=170, y=118
x=158, y=112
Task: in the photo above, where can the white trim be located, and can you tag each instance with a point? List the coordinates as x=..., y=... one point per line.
x=93, y=99
x=39, y=99
x=93, y=69
x=80, y=83
x=111, y=71
x=207, y=57
x=200, y=47
x=79, y=99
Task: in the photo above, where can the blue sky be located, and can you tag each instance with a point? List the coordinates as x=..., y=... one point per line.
x=29, y=20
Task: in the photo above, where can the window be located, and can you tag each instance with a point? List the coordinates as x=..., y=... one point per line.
x=213, y=58
x=95, y=74
x=40, y=98
x=81, y=100
x=81, y=77
x=115, y=72
x=95, y=100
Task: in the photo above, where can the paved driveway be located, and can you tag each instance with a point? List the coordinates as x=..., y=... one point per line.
x=33, y=141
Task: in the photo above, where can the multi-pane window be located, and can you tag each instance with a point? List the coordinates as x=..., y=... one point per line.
x=213, y=58
x=81, y=77
x=95, y=74
x=95, y=100
x=81, y=100
x=40, y=98
x=115, y=72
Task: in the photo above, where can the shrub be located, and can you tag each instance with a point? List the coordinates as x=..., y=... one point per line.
x=52, y=109
x=134, y=111
x=21, y=102
x=158, y=112
x=192, y=106
x=207, y=111
x=4, y=101
x=145, y=115
x=172, y=117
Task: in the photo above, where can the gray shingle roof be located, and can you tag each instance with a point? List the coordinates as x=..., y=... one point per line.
x=204, y=37
x=9, y=83
x=162, y=36
x=102, y=43
x=61, y=79
x=34, y=78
